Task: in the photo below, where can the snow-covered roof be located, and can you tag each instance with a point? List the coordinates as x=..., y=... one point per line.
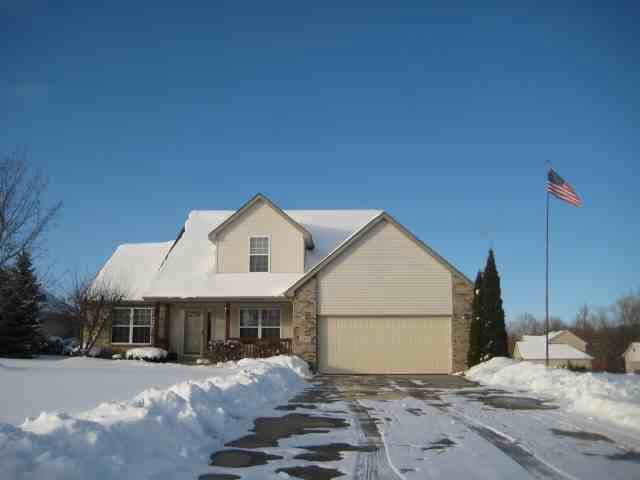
x=186, y=268
x=633, y=347
x=132, y=267
x=532, y=347
x=552, y=335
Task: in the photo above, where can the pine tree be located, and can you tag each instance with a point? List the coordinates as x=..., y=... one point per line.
x=4, y=297
x=22, y=334
x=496, y=331
x=476, y=336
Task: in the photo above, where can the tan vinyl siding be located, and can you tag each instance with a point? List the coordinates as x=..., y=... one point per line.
x=285, y=317
x=569, y=338
x=385, y=273
x=385, y=345
x=632, y=367
x=286, y=242
x=516, y=353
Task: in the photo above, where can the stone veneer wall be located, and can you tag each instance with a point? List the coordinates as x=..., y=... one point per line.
x=305, y=322
x=461, y=321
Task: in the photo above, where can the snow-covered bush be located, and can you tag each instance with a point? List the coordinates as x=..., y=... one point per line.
x=149, y=354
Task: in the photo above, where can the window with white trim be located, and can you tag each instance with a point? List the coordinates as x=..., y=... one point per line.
x=259, y=254
x=132, y=325
x=259, y=323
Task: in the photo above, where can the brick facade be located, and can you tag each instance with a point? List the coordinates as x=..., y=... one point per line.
x=460, y=322
x=304, y=322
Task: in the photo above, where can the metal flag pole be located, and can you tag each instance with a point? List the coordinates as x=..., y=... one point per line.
x=546, y=290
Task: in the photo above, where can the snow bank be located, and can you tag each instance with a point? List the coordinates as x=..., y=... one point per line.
x=612, y=397
x=159, y=433
x=146, y=353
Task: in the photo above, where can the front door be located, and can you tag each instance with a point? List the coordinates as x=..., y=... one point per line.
x=192, y=332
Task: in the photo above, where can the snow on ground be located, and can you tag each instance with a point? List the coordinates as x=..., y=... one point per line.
x=74, y=384
x=160, y=433
x=610, y=397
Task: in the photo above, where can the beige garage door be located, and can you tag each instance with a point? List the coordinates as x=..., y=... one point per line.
x=385, y=344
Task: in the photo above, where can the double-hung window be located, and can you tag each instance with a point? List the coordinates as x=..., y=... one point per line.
x=259, y=254
x=259, y=323
x=132, y=325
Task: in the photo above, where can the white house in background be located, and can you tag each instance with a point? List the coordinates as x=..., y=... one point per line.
x=564, y=348
x=632, y=358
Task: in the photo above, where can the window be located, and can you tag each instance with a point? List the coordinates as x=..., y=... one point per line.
x=260, y=323
x=259, y=254
x=132, y=325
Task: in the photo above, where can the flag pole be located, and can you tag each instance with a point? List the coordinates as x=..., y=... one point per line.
x=546, y=290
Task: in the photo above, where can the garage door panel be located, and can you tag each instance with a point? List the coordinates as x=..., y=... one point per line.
x=385, y=344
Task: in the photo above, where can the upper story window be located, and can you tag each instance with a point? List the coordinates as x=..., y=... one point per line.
x=259, y=254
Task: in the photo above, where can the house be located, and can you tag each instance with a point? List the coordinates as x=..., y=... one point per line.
x=565, y=349
x=632, y=358
x=353, y=291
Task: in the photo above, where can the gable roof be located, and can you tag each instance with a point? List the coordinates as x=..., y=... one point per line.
x=533, y=347
x=186, y=267
x=132, y=268
x=188, y=271
x=358, y=234
x=536, y=350
x=632, y=344
x=308, y=239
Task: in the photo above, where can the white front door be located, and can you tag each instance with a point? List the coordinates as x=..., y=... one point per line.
x=192, y=332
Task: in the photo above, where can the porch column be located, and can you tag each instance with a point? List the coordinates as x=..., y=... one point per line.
x=227, y=319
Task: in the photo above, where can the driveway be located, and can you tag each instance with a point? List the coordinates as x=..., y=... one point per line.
x=424, y=426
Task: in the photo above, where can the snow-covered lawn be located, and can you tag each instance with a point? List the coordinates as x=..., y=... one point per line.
x=167, y=430
x=74, y=384
x=610, y=397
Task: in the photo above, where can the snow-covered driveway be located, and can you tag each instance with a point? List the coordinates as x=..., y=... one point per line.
x=417, y=427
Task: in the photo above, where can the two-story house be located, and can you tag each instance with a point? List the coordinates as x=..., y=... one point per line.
x=354, y=290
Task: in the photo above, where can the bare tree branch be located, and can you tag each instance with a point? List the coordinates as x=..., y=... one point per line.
x=91, y=307
x=23, y=213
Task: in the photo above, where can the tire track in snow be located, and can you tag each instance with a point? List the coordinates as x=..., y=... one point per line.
x=534, y=465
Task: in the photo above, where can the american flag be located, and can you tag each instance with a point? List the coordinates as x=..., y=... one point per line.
x=557, y=187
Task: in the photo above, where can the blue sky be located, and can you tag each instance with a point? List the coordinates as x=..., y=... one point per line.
x=442, y=116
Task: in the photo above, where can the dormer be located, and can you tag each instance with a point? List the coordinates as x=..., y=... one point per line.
x=260, y=237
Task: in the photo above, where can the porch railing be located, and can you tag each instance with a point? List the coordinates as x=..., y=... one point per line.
x=238, y=348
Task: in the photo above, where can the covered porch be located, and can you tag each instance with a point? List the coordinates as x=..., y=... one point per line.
x=197, y=329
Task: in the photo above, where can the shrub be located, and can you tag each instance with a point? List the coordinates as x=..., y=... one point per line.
x=225, y=350
x=148, y=354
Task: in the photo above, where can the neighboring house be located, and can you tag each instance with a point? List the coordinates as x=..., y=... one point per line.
x=54, y=318
x=632, y=358
x=564, y=348
x=354, y=290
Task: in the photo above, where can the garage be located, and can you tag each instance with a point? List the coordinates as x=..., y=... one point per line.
x=384, y=344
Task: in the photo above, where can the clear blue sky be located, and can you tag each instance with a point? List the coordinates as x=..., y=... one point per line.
x=443, y=117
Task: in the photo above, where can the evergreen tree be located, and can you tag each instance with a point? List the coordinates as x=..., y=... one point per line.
x=496, y=331
x=22, y=334
x=4, y=296
x=476, y=337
